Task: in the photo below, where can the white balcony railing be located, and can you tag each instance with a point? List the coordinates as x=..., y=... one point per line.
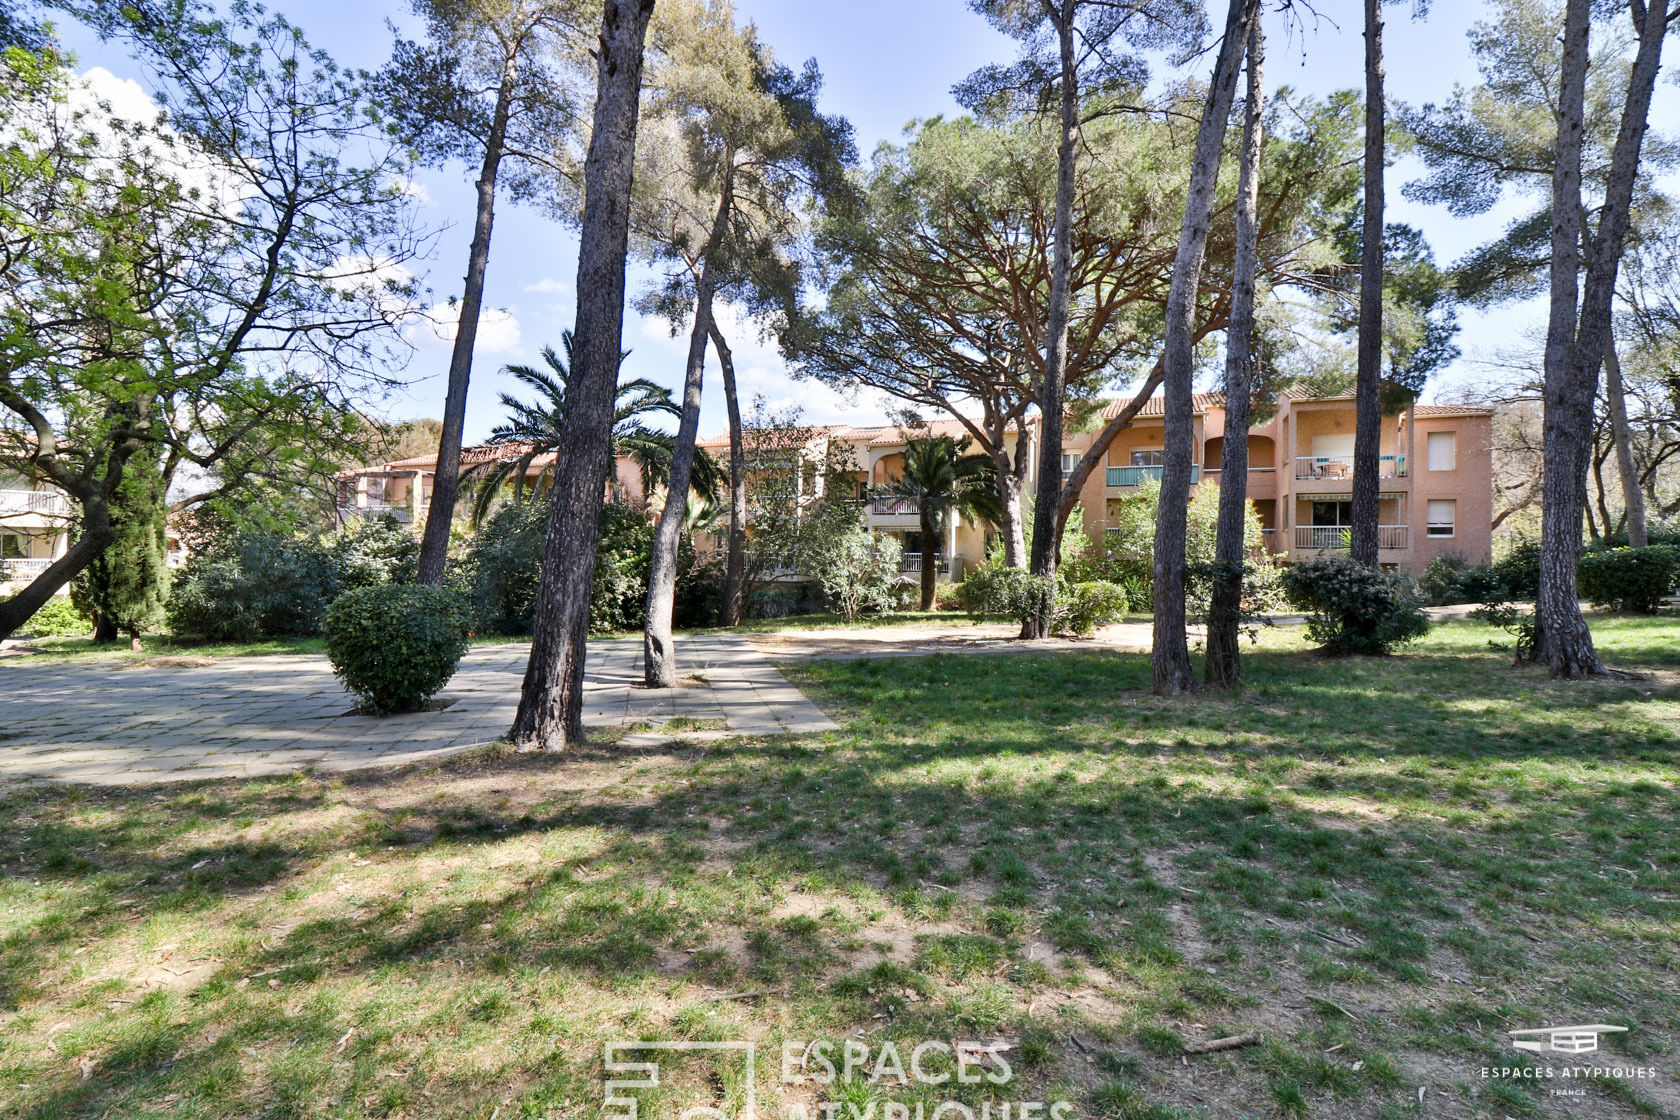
x=45, y=502
x=22, y=571
x=912, y=562
x=894, y=507
x=1341, y=466
x=1339, y=538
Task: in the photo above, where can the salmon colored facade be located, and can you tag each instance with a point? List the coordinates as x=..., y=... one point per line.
x=1435, y=467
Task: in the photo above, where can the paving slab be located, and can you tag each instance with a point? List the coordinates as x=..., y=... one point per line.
x=116, y=723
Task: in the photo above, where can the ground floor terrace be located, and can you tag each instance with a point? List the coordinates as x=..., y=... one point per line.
x=1363, y=875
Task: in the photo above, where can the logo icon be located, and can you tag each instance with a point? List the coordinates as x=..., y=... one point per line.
x=1581, y=1039
x=621, y=1105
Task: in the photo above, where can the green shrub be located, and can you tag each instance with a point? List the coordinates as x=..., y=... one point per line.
x=1518, y=571
x=374, y=551
x=254, y=585
x=1450, y=578
x=395, y=645
x=996, y=588
x=1630, y=579
x=1089, y=605
x=1353, y=607
x=58, y=619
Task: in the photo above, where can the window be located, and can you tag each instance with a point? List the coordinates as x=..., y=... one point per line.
x=1332, y=513
x=1152, y=457
x=1069, y=458
x=1443, y=451
x=1442, y=516
x=13, y=547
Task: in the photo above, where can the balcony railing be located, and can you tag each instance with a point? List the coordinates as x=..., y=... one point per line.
x=1339, y=538
x=1341, y=466
x=399, y=511
x=34, y=501
x=912, y=562
x=1127, y=477
x=894, y=507
x=22, y=571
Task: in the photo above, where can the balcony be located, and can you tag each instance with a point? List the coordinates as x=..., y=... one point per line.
x=912, y=562
x=401, y=513
x=1262, y=481
x=1334, y=467
x=22, y=571
x=1338, y=538
x=1126, y=478
x=48, y=503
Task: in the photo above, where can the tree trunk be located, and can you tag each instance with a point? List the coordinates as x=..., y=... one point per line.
x=1367, y=439
x=1576, y=342
x=929, y=560
x=735, y=569
x=1633, y=496
x=1224, y=658
x=1170, y=658
x=551, y=702
x=659, y=654
x=1009, y=504
x=1053, y=388
x=446, y=479
x=96, y=534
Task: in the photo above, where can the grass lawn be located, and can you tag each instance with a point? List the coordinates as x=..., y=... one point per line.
x=1380, y=865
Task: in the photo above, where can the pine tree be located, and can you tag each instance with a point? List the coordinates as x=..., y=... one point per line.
x=123, y=590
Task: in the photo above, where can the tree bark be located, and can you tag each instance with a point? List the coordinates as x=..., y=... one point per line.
x=1367, y=439
x=924, y=521
x=1576, y=340
x=735, y=568
x=1224, y=657
x=1010, y=485
x=446, y=478
x=1053, y=388
x=1170, y=658
x=659, y=652
x=551, y=702
x=1633, y=495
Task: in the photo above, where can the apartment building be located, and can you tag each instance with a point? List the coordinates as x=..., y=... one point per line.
x=1435, y=471
x=34, y=529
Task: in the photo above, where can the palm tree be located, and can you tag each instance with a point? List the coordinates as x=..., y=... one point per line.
x=536, y=430
x=941, y=480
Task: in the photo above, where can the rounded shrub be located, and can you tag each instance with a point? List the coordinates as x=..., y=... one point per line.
x=59, y=618
x=1630, y=579
x=1353, y=607
x=395, y=645
x=1089, y=605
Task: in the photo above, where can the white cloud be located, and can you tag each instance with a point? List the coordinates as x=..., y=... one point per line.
x=498, y=330
x=548, y=285
x=413, y=189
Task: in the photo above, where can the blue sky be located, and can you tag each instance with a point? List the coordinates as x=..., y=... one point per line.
x=886, y=62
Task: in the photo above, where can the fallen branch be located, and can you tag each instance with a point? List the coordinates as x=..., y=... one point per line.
x=1213, y=1045
x=1333, y=937
x=1334, y=1005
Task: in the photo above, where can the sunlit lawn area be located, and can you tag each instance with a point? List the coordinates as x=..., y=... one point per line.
x=1382, y=866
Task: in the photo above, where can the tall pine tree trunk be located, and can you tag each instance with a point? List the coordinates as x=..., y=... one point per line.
x=1367, y=438
x=1224, y=658
x=659, y=651
x=735, y=567
x=1170, y=658
x=930, y=561
x=1633, y=495
x=551, y=702
x=1011, y=479
x=446, y=481
x=1576, y=340
x=1053, y=388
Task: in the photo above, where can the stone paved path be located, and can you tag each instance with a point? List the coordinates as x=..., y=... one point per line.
x=103, y=724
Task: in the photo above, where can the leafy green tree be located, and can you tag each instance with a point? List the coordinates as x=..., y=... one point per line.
x=537, y=429
x=736, y=157
x=215, y=287
x=487, y=86
x=123, y=590
x=943, y=482
x=1070, y=48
